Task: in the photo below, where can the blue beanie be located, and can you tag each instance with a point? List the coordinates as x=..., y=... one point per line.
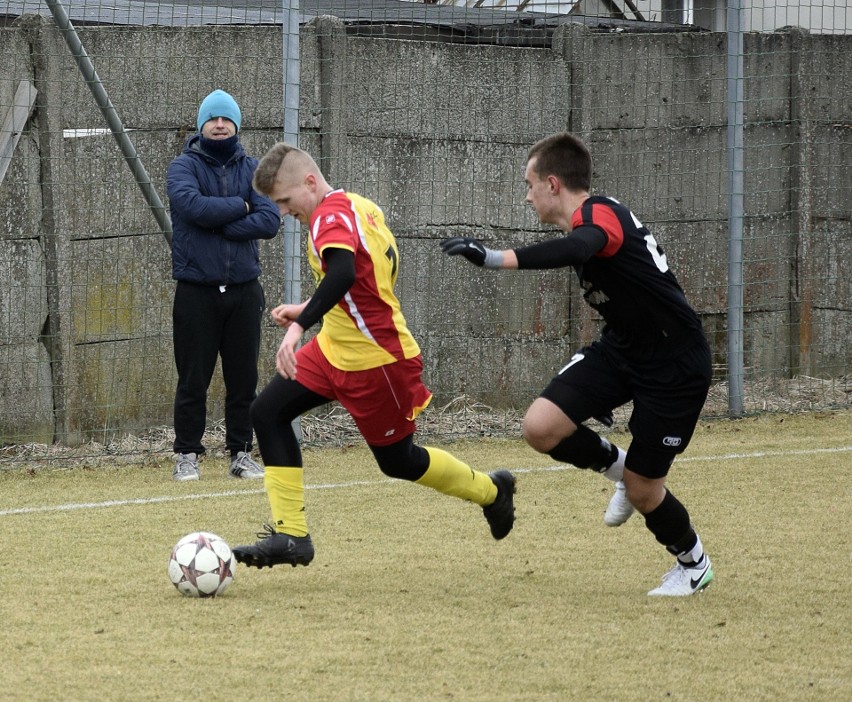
x=219, y=104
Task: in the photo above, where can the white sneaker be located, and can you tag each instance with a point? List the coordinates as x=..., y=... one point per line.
x=619, y=509
x=681, y=581
x=186, y=467
x=242, y=466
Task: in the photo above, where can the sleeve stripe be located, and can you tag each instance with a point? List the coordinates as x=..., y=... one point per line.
x=605, y=219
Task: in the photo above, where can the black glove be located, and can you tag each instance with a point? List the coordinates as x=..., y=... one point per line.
x=471, y=249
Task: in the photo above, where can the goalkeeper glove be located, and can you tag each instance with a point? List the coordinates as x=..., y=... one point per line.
x=473, y=250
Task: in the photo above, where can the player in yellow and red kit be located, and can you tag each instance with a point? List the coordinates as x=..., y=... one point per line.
x=364, y=357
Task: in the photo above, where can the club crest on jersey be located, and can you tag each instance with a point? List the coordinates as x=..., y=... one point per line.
x=672, y=441
x=329, y=218
x=371, y=220
x=594, y=297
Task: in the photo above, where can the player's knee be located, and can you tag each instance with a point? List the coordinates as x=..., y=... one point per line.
x=402, y=461
x=538, y=436
x=535, y=441
x=545, y=425
x=644, y=493
x=259, y=415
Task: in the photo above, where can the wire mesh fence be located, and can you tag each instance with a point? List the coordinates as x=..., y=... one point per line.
x=428, y=109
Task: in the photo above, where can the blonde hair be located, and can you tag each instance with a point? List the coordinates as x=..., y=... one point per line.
x=298, y=162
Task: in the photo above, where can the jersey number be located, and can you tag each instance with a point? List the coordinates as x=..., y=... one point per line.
x=576, y=358
x=392, y=255
x=658, y=256
x=651, y=244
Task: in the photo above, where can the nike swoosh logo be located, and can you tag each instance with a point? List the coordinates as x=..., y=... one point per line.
x=694, y=582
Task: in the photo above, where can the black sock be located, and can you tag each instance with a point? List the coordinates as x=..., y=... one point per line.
x=585, y=449
x=669, y=523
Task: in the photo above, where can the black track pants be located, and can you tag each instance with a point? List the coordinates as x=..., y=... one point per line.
x=207, y=324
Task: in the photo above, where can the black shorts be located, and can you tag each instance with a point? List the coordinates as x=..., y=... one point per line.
x=667, y=396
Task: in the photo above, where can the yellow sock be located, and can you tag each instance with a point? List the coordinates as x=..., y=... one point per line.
x=285, y=488
x=449, y=475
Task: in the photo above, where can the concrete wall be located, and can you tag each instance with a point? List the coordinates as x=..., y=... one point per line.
x=437, y=135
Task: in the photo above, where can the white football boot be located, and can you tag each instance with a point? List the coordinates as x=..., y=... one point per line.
x=681, y=581
x=619, y=509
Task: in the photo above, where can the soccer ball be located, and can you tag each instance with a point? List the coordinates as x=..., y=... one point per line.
x=202, y=565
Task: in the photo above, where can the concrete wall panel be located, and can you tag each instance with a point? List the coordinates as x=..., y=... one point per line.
x=453, y=91
x=26, y=394
x=832, y=171
x=663, y=175
x=439, y=183
x=120, y=288
x=768, y=253
x=636, y=81
x=115, y=392
x=766, y=343
x=533, y=363
x=20, y=195
x=831, y=322
x=697, y=254
x=767, y=69
x=824, y=67
x=246, y=61
x=496, y=304
x=23, y=302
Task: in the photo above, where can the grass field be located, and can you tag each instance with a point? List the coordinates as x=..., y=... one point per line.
x=409, y=598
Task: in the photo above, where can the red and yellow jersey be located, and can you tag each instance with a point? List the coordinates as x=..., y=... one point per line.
x=366, y=328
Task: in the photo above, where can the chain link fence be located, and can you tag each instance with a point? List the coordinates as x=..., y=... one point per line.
x=428, y=109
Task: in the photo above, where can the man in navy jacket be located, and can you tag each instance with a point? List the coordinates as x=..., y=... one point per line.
x=217, y=220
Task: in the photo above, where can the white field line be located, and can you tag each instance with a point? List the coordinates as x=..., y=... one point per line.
x=73, y=506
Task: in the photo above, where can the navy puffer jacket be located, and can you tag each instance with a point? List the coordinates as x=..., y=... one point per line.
x=214, y=241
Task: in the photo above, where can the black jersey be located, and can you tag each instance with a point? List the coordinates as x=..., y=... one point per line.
x=629, y=283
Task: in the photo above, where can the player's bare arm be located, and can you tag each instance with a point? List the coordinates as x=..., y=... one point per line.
x=285, y=315
x=339, y=277
x=285, y=358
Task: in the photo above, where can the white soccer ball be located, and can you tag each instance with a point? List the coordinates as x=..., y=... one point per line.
x=202, y=565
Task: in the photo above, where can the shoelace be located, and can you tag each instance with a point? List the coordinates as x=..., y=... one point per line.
x=268, y=530
x=183, y=465
x=672, y=572
x=244, y=462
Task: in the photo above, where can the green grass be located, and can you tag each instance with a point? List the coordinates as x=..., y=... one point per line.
x=409, y=598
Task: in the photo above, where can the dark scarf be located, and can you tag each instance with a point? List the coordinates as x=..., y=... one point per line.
x=220, y=149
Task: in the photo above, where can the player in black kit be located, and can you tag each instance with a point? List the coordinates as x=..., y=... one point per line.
x=652, y=351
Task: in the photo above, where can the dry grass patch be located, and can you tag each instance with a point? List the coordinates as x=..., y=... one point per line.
x=409, y=597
